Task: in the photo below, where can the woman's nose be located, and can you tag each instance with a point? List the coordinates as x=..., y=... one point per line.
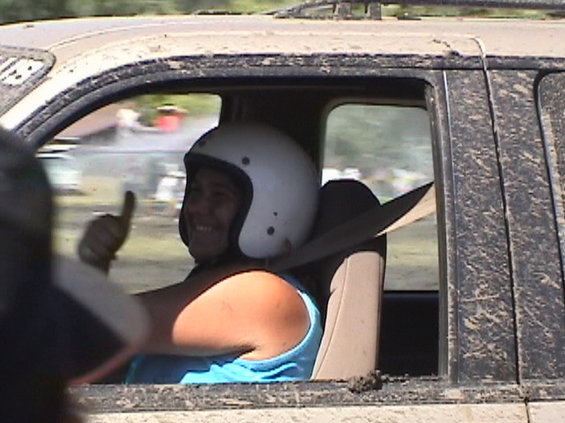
x=198, y=204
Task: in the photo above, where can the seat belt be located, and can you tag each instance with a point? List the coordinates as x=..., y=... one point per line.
x=377, y=221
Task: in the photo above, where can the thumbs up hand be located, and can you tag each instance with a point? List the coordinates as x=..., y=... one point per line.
x=105, y=235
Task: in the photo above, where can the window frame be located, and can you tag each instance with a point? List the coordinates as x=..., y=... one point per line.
x=537, y=278
x=386, y=102
x=550, y=92
x=534, y=221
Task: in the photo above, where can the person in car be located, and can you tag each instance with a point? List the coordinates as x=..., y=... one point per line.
x=61, y=322
x=251, y=195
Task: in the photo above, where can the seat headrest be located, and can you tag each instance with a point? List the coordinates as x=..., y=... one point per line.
x=341, y=200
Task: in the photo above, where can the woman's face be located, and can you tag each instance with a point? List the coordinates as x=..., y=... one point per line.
x=211, y=205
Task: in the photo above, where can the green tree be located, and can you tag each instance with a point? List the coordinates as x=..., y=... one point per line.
x=28, y=10
x=121, y=8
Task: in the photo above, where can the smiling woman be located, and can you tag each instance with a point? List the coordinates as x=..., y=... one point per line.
x=229, y=320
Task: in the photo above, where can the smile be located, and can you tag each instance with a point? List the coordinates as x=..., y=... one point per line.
x=202, y=228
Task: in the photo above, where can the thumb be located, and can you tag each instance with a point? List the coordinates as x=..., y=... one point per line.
x=127, y=209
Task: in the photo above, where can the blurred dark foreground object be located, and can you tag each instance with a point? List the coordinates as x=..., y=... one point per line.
x=61, y=322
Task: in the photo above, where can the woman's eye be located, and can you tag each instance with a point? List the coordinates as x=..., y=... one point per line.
x=223, y=195
x=220, y=195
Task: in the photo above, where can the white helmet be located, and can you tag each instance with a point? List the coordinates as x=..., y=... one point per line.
x=279, y=181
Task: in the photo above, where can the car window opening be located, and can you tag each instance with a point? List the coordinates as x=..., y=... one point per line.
x=136, y=144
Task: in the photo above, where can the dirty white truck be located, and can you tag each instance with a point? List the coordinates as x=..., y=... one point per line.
x=467, y=323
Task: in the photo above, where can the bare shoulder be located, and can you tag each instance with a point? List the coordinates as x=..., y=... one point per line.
x=263, y=294
x=277, y=314
x=262, y=284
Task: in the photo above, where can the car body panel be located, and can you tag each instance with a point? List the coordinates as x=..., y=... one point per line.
x=397, y=400
x=472, y=162
x=425, y=36
x=468, y=413
x=551, y=111
x=552, y=411
x=534, y=248
x=442, y=413
x=104, y=44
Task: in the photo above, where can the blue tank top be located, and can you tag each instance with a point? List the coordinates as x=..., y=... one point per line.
x=295, y=364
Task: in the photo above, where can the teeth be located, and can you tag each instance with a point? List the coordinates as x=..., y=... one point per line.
x=201, y=228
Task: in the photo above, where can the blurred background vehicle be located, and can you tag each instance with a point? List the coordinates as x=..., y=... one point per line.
x=62, y=169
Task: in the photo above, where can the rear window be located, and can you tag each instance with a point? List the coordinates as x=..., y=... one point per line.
x=389, y=148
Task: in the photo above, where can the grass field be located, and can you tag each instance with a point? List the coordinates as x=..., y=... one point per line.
x=152, y=256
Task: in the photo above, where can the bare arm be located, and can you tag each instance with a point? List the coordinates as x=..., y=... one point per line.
x=251, y=312
x=223, y=310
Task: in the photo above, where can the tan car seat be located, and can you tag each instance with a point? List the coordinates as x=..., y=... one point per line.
x=349, y=286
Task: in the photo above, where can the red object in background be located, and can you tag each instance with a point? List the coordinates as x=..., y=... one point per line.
x=168, y=123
